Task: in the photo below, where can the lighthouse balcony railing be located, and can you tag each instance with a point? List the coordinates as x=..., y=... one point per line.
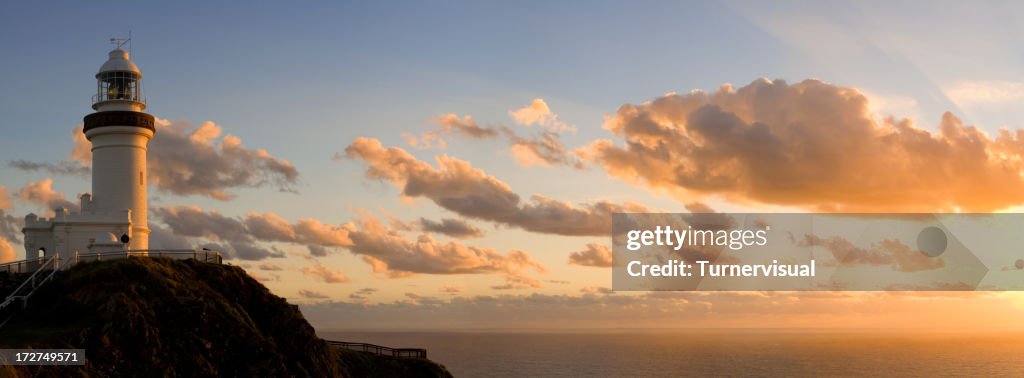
x=96, y=99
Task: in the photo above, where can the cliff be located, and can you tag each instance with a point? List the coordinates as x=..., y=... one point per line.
x=161, y=317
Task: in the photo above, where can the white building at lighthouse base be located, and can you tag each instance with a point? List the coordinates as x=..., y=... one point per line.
x=68, y=233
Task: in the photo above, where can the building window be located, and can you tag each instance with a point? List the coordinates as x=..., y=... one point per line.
x=141, y=180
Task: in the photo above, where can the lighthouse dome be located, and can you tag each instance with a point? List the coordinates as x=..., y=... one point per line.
x=106, y=238
x=118, y=61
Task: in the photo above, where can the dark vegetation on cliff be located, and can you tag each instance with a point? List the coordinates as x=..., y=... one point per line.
x=158, y=317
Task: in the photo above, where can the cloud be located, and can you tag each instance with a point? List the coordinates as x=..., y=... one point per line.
x=10, y=226
x=191, y=221
x=42, y=194
x=314, y=232
x=452, y=227
x=451, y=289
x=262, y=277
x=845, y=252
x=6, y=251
x=312, y=294
x=538, y=113
x=247, y=251
x=325, y=273
x=812, y=145
x=270, y=267
x=81, y=149
x=545, y=149
x=5, y=199
x=449, y=124
x=78, y=165
x=597, y=255
x=594, y=290
x=270, y=227
x=383, y=247
x=163, y=238
x=318, y=251
x=907, y=260
x=243, y=251
x=362, y=294
x=518, y=283
x=459, y=187
x=187, y=160
x=62, y=168
x=391, y=253
x=974, y=92
x=886, y=252
x=542, y=149
x=467, y=126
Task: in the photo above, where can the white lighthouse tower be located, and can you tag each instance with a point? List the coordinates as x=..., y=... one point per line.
x=119, y=131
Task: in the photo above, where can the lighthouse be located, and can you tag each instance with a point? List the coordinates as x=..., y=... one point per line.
x=113, y=216
x=120, y=132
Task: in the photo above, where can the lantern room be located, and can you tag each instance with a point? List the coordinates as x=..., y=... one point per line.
x=119, y=84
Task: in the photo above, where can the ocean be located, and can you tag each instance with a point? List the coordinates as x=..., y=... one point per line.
x=709, y=353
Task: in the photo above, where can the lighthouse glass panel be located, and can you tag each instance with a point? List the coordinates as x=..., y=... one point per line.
x=118, y=86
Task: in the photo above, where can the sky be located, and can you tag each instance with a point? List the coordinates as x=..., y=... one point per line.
x=453, y=164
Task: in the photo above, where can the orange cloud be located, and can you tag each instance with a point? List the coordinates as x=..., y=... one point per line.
x=325, y=273
x=314, y=232
x=544, y=149
x=270, y=267
x=311, y=294
x=966, y=93
x=41, y=193
x=538, y=113
x=517, y=283
x=6, y=251
x=885, y=252
x=381, y=246
x=812, y=145
x=191, y=221
x=459, y=187
x=449, y=124
x=362, y=295
x=269, y=226
x=187, y=160
x=389, y=252
x=5, y=199
x=451, y=289
x=597, y=255
x=10, y=226
x=451, y=227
